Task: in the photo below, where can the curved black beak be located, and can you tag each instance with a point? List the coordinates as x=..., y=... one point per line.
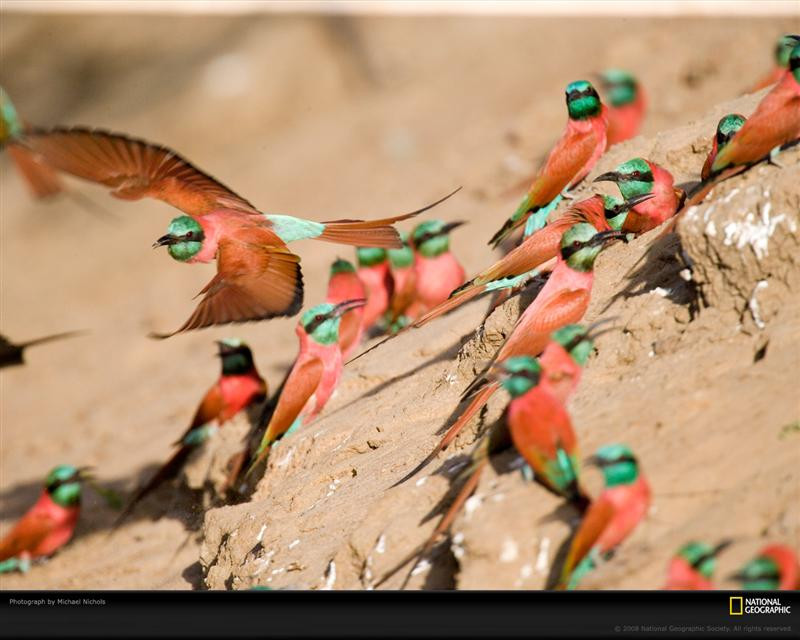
x=634, y=200
x=602, y=237
x=610, y=176
x=347, y=305
x=452, y=225
x=164, y=241
x=85, y=473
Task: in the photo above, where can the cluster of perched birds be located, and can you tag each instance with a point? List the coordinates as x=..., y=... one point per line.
x=403, y=281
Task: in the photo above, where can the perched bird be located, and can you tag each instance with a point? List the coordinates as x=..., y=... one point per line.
x=626, y=103
x=537, y=253
x=49, y=523
x=693, y=566
x=611, y=517
x=640, y=177
x=344, y=285
x=13, y=354
x=314, y=375
x=437, y=270
x=41, y=179
x=404, y=285
x=774, y=123
x=373, y=271
x=775, y=567
x=570, y=160
x=541, y=429
x=783, y=47
x=545, y=440
x=258, y=277
x=562, y=301
x=726, y=128
x=238, y=387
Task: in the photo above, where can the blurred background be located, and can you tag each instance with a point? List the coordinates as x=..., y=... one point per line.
x=317, y=114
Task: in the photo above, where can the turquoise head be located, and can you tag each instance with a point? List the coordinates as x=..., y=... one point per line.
x=582, y=243
x=702, y=556
x=321, y=323
x=63, y=484
x=432, y=237
x=184, y=238
x=794, y=59
x=634, y=178
x=761, y=573
x=237, y=359
x=727, y=128
x=576, y=341
x=403, y=257
x=370, y=256
x=342, y=266
x=618, y=464
x=582, y=100
x=520, y=374
x=783, y=49
x=620, y=86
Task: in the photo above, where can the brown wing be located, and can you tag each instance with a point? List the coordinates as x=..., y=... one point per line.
x=597, y=518
x=257, y=278
x=42, y=181
x=132, y=168
x=209, y=409
x=300, y=386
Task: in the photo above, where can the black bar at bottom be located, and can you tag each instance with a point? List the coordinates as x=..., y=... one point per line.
x=443, y=614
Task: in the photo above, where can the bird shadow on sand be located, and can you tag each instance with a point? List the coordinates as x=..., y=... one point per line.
x=659, y=268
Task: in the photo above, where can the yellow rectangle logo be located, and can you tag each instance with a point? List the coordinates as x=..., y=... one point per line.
x=736, y=606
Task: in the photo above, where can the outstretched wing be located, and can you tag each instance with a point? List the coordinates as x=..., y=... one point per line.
x=257, y=278
x=132, y=168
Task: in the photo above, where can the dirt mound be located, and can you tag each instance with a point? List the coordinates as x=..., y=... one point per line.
x=333, y=118
x=703, y=324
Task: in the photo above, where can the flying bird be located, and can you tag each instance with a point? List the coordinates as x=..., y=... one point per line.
x=258, y=277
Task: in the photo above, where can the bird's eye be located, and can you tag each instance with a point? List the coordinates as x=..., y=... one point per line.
x=636, y=174
x=319, y=318
x=576, y=243
x=189, y=235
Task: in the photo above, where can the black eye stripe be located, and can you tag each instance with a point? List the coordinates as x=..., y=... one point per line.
x=571, y=249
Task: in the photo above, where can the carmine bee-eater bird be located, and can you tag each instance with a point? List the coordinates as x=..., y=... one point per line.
x=537, y=426
x=537, y=251
x=783, y=47
x=611, y=517
x=774, y=568
x=726, y=128
x=562, y=301
x=626, y=103
x=774, y=123
x=314, y=375
x=42, y=180
x=438, y=272
x=374, y=272
x=258, y=277
x=345, y=285
x=238, y=387
x=640, y=177
x=693, y=566
x=404, y=285
x=12, y=354
x=570, y=160
x=49, y=524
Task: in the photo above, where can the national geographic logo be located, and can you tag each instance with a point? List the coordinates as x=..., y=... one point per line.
x=739, y=606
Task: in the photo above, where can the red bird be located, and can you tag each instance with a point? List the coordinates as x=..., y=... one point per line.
x=436, y=270
x=774, y=123
x=239, y=386
x=693, y=567
x=570, y=160
x=49, y=524
x=258, y=277
x=344, y=284
x=626, y=102
x=726, y=129
x=775, y=567
x=373, y=271
x=783, y=47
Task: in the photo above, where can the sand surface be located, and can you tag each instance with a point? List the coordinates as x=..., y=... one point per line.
x=329, y=118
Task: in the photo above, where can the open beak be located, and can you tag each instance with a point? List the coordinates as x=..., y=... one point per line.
x=348, y=305
x=452, y=225
x=164, y=241
x=634, y=200
x=610, y=176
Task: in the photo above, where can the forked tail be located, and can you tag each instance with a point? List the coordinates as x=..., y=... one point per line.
x=372, y=233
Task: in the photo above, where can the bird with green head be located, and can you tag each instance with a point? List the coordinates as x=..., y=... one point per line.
x=582, y=243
